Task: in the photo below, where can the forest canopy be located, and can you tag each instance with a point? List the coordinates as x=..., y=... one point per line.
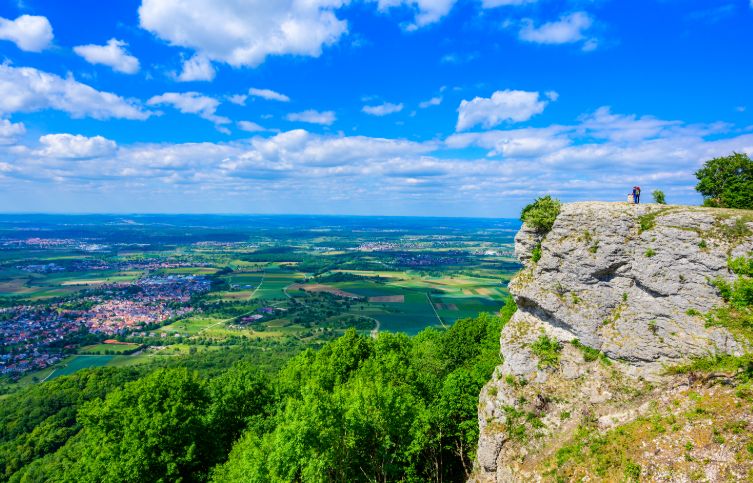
x=359, y=409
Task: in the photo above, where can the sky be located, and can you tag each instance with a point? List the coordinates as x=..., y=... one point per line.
x=366, y=107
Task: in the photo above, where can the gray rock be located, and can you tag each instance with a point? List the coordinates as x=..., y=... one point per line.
x=628, y=280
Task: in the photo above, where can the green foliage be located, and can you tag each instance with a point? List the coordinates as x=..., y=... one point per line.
x=650, y=252
x=521, y=425
x=659, y=197
x=40, y=419
x=743, y=365
x=727, y=181
x=536, y=253
x=547, y=350
x=737, y=314
x=399, y=408
x=741, y=266
x=590, y=354
x=542, y=213
x=632, y=472
x=394, y=408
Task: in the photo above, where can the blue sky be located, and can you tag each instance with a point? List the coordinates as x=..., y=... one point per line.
x=393, y=107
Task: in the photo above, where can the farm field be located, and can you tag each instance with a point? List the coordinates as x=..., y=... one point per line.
x=172, y=286
x=110, y=349
x=75, y=363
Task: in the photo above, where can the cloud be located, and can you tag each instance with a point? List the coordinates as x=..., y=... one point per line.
x=238, y=99
x=505, y=3
x=250, y=126
x=434, y=101
x=250, y=30
x=112, y=54
x=196, y=68
x=311, y=116
x=29, y=32
x=426, y=12
x=294, y=170
x=515, y=143
x=10, y=132
x=25, y=89
x=192, y=103
x=507, y=105
x=568, y=29
x=70, y=146
x=268, y=94
x=382, y=109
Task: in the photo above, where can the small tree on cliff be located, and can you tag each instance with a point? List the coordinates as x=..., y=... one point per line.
x=541, y=213
x=727, y=182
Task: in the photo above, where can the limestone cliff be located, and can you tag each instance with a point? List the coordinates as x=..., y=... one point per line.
x=608, y=300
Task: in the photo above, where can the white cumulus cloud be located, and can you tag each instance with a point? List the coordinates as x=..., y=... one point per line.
x=112, y=54
x=10, y=132
x=311, y=116
x=191, y=103
x=250, y=126
x=196, y=68
x=507, y=105
x=25, y=89
x=268, y=94
x=434, y=101
x=245, y=32
x=29, y=32
x=426, y=11
x=568, y=29
x=75, y=146
x=383, y=109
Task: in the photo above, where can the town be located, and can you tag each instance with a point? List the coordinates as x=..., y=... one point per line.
x=34, y=337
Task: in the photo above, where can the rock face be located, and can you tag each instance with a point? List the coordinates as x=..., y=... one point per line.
x=630, y=281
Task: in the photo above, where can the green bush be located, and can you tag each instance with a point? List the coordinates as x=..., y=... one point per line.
x=727, y=182
x=541, y=213
x=536, y=253
x=659, y=197
x=548, y=350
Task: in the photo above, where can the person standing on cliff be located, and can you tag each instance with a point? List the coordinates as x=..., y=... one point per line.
x=636, y=194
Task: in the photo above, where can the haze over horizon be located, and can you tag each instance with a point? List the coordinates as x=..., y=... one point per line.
x=364, y=107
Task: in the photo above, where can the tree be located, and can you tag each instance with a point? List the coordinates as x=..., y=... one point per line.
x=727, y=182
x=659, y=197
x=541, y=213
x=154, y=429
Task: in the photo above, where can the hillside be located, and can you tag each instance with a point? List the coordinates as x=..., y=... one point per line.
x=628, y=355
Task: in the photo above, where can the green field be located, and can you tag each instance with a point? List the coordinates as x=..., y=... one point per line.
x=113, y=348
x=74, y=363
x=191, y=325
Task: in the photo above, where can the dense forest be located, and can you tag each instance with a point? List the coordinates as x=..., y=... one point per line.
x=359, y=409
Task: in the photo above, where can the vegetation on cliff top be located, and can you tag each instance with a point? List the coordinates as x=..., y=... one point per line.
x=542, y=213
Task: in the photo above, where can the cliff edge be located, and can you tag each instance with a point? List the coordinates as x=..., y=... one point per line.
x=609, y=301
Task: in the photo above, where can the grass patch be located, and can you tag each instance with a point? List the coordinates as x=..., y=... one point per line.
x=648, y=221
x=547, y=350
x=650, y=252
x=590, y=354
x=718, y=363
x=521, y=425
x=536, y=253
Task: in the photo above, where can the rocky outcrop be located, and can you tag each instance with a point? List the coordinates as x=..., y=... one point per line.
x=621, y=290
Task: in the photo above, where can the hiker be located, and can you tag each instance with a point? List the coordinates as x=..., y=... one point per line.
x=637, y=194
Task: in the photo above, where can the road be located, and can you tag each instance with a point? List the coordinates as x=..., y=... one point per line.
x=435, y=311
